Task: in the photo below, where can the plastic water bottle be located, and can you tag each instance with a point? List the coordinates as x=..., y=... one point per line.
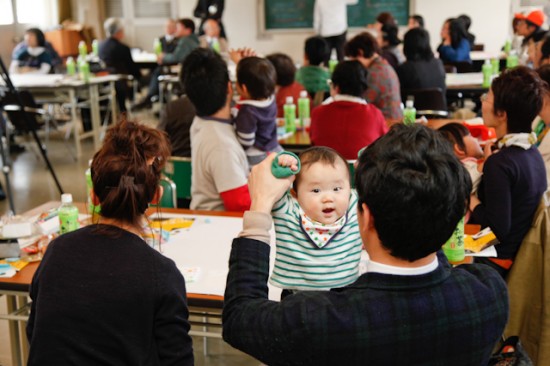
x=507, y=46
x=68, y=214
x=409, y=113
x=85, y=71
x=216, y=45
x=92, y=209
x=487, y=71
x=304, y=110
x=512, y=60
x=71, y=66
x=290, y=115
x=82, y=49
x=454, y=247
x=333, y=62
x=95, y=47
x=495, y=63
x=157, y=46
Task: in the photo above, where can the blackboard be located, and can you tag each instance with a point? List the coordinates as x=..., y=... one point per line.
x=296, y=14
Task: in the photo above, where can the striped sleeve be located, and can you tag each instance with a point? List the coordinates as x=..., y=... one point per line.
x=246, y=125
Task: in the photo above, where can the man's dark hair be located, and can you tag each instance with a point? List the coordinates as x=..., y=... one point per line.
x=350, y=77
x=389, y=34
x=317, y=50
x=258, y=74
x=455, y=133
x=188, y=23
x=364, y=42
x=457, y=31
x=284, y=67
x=419, y=19
x=415, y=188
x=416, y=45
x=205, y=78
x=518, y=92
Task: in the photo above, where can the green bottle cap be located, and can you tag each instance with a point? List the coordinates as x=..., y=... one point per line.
x=284, y=171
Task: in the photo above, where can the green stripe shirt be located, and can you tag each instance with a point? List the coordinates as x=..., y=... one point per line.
x=302, y=265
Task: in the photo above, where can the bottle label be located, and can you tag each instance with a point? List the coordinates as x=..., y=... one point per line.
x=68, y=219
x=454, y=247
x=290, y=116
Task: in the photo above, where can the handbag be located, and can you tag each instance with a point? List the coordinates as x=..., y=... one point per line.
x=511, y=353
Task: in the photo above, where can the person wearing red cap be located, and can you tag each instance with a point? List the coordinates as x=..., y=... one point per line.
x=528, y=26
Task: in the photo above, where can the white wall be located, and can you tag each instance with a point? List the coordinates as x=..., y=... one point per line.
x=491, y=19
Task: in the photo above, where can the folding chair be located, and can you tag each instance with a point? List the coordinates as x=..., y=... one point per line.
x=179, y=170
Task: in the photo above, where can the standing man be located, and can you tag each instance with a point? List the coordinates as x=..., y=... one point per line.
x=410, y=307
x=210, y=9
x=330, y=21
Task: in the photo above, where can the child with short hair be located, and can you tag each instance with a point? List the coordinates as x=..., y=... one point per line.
x=256, y=123
x=312, y=75
x=318, y=242
x=466, y=148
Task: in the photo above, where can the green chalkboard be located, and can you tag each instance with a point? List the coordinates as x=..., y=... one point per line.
x=295, y=14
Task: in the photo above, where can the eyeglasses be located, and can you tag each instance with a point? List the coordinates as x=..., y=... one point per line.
x=329, y=82
x=484, y=97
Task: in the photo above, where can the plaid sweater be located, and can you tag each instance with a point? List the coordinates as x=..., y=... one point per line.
x=446, y=317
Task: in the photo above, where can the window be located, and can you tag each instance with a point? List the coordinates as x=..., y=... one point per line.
x=6, y=15
x=30, y=11
x=152, y=8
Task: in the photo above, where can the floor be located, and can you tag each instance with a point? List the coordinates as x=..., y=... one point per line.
x=32, y=185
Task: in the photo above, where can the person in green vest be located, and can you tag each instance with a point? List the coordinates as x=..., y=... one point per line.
x=312, y=75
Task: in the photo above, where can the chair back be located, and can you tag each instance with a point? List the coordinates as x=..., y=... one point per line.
x=429, y=102
x=16, y=115
x=450, y=69
x=169, y=195
x=528, y=287
x=178, y=169
x=462, y=66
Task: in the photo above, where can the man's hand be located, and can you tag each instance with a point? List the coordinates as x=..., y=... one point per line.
x=160, y=57
x=264, y=188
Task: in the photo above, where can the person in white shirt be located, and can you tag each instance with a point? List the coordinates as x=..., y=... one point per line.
x=330, y=21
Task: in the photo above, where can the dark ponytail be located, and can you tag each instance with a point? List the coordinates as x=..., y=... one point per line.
x=126, y=171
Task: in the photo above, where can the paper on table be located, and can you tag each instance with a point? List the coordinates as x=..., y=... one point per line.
x=487, y=252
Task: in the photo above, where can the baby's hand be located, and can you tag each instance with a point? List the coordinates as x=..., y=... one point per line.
x=288, y=161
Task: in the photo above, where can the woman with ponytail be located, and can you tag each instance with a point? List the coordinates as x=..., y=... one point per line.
x=101, y=295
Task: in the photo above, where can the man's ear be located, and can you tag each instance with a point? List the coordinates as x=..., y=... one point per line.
x=157, y=196
x=368, y=219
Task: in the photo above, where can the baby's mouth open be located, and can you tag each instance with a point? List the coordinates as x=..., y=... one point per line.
x=328, y=210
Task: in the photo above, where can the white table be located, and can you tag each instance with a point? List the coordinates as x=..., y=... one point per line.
x=69, y=86
x=465, y=79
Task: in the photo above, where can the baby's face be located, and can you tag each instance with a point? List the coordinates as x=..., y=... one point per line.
x=473, y=149
x=324, y=191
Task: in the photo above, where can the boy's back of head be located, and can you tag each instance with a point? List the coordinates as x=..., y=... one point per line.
x=258, y=75
x=350, y=77
x=415, y=189
x=317, y=51
x=455, y=133
x=205, y=79
x=284, y=68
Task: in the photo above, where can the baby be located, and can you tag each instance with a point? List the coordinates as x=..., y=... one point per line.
x=318, y=241
x=466, y=148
